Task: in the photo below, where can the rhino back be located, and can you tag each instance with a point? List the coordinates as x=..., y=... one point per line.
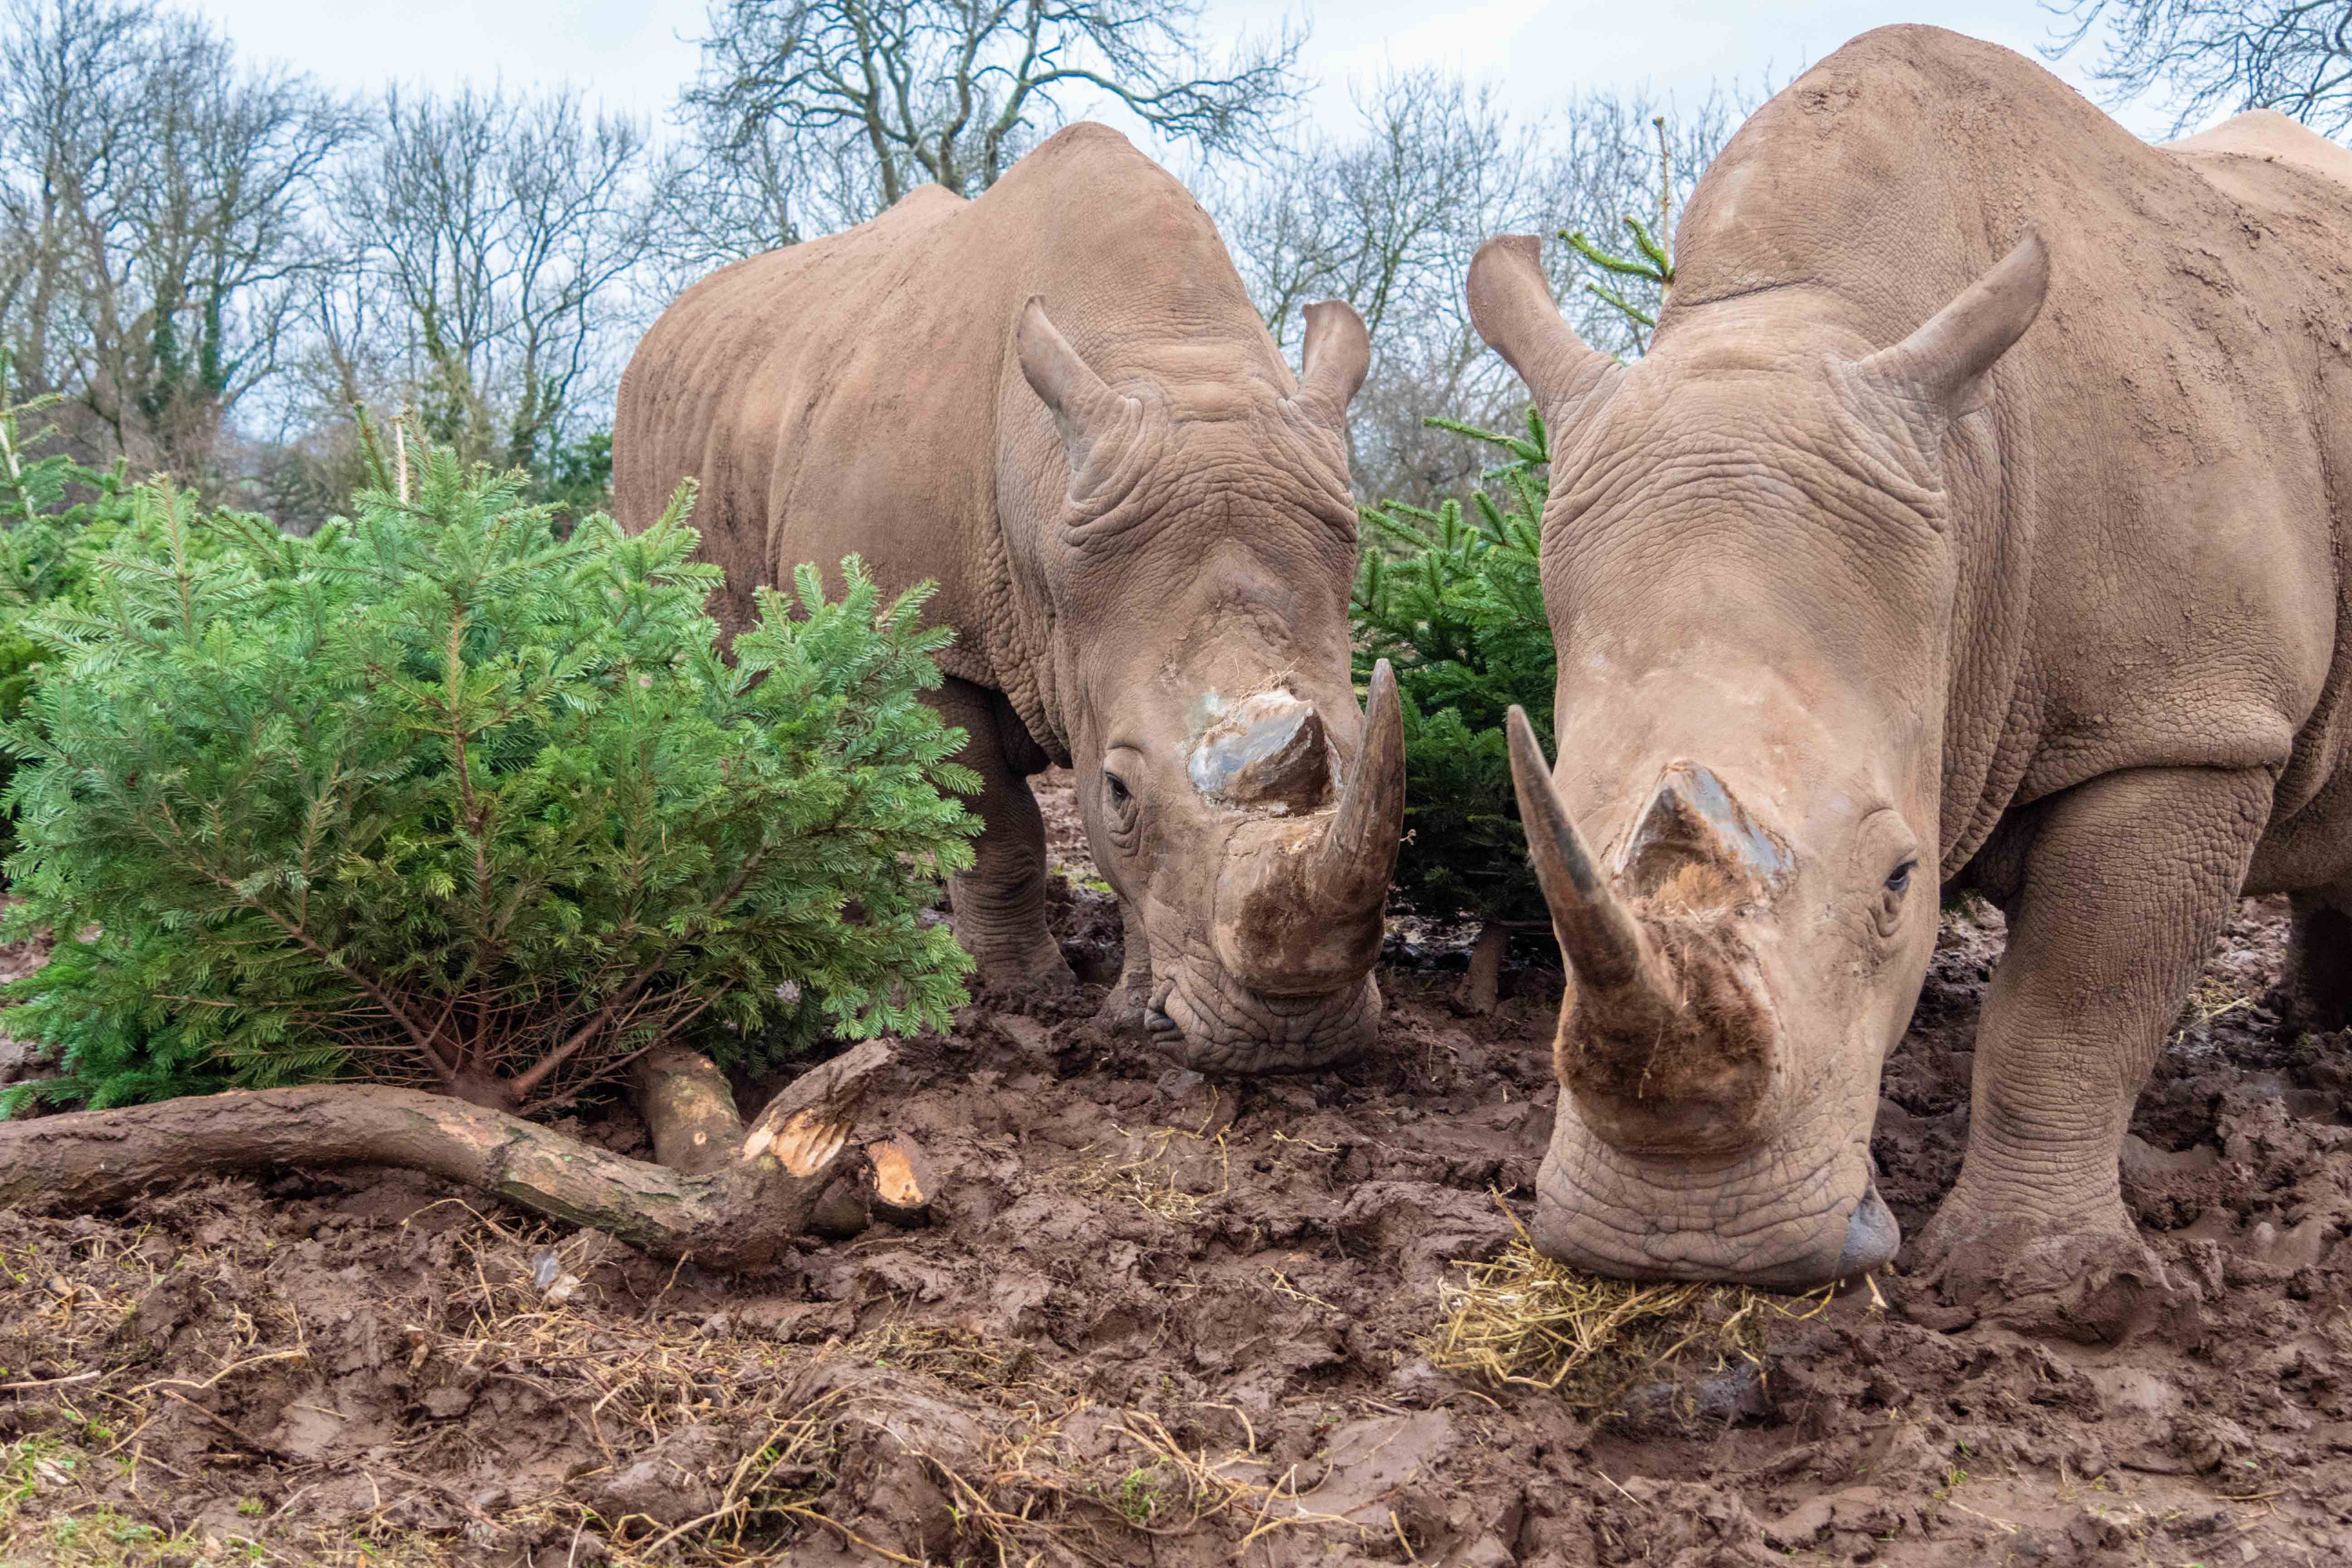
x=860, y=393
x=2151, y=519
x=728, y=387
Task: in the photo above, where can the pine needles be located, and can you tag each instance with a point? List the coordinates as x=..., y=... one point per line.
x=437, y=797
x=1453, y=599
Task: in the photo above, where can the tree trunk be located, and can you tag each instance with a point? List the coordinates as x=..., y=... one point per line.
x=743, y=1211
x=1482, y=987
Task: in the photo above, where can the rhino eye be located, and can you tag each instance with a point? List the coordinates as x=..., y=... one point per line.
x=1900, y=878
x=1120, y=793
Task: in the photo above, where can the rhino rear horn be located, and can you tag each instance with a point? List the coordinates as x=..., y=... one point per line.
x=1511, y=306
x=1088, y=414
x=1696, y=836
x=1333, y=363
x=1944, y=362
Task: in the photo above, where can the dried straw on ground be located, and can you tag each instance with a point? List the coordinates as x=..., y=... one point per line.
x=1523, y=1319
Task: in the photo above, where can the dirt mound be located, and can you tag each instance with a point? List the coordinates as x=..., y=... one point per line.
x=1162, y=1320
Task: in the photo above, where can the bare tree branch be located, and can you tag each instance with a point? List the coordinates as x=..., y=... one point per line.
x=811, y=115
x=2204, y=57
x=157, y=201
x=495, y=235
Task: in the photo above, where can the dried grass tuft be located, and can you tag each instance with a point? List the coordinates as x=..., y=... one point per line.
x=1151, y=1179
x=1523, y=1319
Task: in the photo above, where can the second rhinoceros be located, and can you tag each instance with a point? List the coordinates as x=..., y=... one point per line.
x=1058, y=402
x=1859, y=586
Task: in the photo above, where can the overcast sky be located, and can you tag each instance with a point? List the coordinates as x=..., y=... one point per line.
x=635, y=54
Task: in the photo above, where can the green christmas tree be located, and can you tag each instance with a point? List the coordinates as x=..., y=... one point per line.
x=1453, y=597
x=437, y=797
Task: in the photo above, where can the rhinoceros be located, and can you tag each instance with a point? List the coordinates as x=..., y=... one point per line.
x=1861, y=588
x=1056, y=402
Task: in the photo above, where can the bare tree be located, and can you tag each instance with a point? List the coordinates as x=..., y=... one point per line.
x=2205, y=56
x=1390, y=215
x=156, y=198
x=725, y=191
x=67, y=73
x=1618, y=160
x=1388, y=220
x=810, y=115
x=488, y=241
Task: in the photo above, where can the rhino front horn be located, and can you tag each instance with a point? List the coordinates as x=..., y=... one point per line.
x=1619, y=983
x=1357, y=855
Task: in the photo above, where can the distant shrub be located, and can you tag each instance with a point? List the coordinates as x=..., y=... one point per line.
x=434, y=796
x=1453, y=599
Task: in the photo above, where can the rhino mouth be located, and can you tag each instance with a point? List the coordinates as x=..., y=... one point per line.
x=1608, y=1214
x=1217, y=1026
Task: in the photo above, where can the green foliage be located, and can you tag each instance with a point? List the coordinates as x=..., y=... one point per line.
x=1635, y=285
x=434, y=796
x=55, y=514
x=579, y=475
x=1453, y=600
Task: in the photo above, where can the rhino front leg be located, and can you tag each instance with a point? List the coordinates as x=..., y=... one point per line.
x=997, y=909
x=2115, y=891
x=1130, y=999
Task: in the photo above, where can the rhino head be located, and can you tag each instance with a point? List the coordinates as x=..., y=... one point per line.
x=1244, y=808
x=1749, y=571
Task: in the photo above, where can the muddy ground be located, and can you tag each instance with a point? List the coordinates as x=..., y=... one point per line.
x=1163, y=1320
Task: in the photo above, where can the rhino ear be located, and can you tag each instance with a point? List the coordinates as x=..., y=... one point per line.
x=1331, y=368
x=1511, y=306
x=1087, y=413
x=1943, y=364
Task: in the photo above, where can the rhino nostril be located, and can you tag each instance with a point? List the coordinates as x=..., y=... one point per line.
x=1157, y=1021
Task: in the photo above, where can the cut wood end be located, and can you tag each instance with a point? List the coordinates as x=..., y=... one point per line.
x=833, y=1088
x=904, y=1183
x=893, y=1175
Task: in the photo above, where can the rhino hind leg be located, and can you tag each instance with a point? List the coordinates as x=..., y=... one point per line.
x=2316, y=992
x=2117, y=891
x=997, y=910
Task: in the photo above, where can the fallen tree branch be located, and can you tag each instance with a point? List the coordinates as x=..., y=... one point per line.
x=742, y=1214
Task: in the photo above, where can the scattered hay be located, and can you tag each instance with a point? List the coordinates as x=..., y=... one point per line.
x=103, y=1443
x=959, y=1358
x=1523, y=1319
x=1146, y=1179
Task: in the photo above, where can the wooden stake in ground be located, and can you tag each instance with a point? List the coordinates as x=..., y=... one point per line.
x=1482, y=987
x=741, y=1210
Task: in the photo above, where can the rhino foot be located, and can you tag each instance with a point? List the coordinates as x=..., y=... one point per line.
x=1029, y=971
x=1124, y=1010
x=2090, y=1283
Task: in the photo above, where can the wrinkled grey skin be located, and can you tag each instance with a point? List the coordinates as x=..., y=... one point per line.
x=1977, y=518
x=1056, y=402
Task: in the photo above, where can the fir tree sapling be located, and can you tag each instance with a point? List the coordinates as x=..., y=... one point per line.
x=55, y=514
x=1453, y=599
x=434, y=797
